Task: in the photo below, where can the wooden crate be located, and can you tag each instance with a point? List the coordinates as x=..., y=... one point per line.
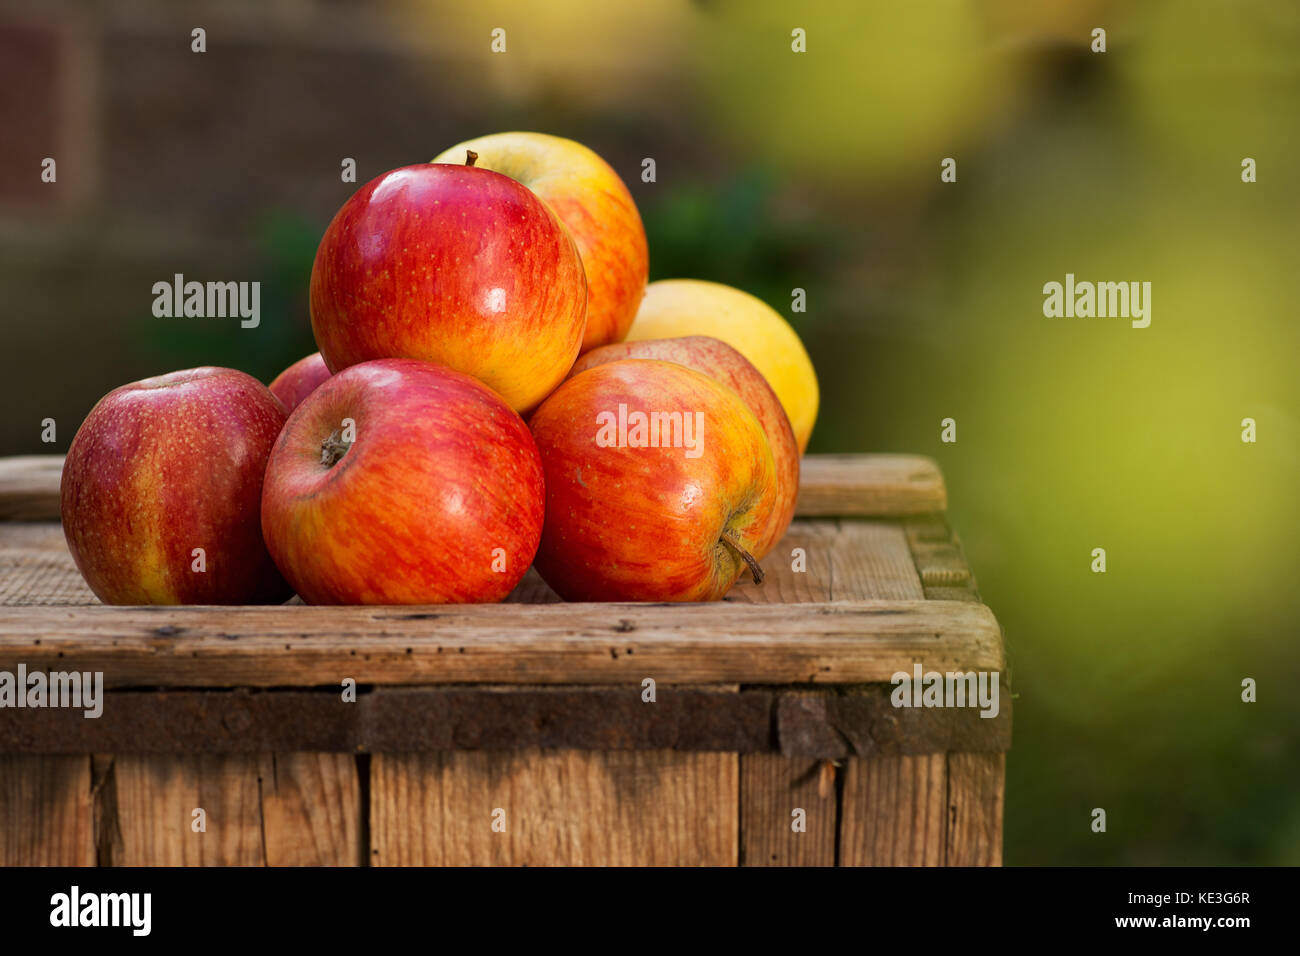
x=528, y=715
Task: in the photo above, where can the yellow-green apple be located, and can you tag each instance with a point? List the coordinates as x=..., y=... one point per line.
x=162, y=490
x=720, y=361
x=455, y=265
x=591, y=199
x=660, y=485
x=677, y=307
x=403, y=482
x=299, y=380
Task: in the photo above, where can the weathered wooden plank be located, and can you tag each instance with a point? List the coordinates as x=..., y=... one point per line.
x=311, y=809
x=870, y=485
x=620, y=808
x=782, y=584
x=841, y=560
x=45, y=811
x=29, y=487
x=830, y=485
x=976, y=794
x=871, y=560
x=773, y=789
x=858, y=642
x=849, y=560
x=266, y=809
x=940, y=563
x=154, y=798
x=893, y=811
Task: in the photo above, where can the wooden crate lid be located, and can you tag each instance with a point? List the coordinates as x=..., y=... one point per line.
x=878, y=594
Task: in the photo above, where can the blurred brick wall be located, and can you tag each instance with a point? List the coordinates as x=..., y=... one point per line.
x=173, y=161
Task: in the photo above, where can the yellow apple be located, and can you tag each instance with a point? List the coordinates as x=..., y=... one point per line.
x=593, y=203
x=679, y=307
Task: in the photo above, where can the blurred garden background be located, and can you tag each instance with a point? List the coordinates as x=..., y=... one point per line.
x=818, y=170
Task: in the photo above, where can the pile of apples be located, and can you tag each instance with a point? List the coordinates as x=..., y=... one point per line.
x=496, y=387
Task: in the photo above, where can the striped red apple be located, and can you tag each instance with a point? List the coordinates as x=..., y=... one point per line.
x=595, y=205
x=162, y=488
x=403, y=482
x=660, y=485
x=455, y=265
x=721, y=362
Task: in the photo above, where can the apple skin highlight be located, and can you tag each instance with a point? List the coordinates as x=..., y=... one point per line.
x=455, y=265
x=439, y=498
x=594, y=203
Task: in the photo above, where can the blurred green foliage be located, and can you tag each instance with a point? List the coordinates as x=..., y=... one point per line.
x=283, y=246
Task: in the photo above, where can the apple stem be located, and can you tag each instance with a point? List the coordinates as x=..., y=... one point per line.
x=729, y=538
x=333, y=448
x=471, y=157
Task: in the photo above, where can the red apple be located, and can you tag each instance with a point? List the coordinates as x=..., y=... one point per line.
x=403, y=482
x=455, y=265
x=660, y=485
x=721, y=362
x=162, y=491
x=591, y=199
x=299, y=380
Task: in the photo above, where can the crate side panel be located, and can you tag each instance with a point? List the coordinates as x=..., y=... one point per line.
x=154, y=799
x=45, y=811
x=773, y=789
x=893, y=811
x=259, y=809
x=311, y=809
x=554, y=807
x=976, y=795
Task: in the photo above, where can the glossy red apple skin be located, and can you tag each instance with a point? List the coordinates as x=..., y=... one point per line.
x=722, y=363
x=647, y=524
x=442, y=473
x=299, y=380
x=455, y=265
x=166, y=465
x=590, y=198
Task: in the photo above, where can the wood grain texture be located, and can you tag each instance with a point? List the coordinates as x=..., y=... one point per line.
x=830, y=485
x=155, y=798
x=857, y=642
x=565, y=807
x=772, y=787
x=849, y=486
x=940, y=563
x=893, y=811
x=261, y=809
x=781, y=583
x=45, y=811
x=311, y=809
x=843, y=561
x=849, y=560
x=29, y=487
x=976, y=797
